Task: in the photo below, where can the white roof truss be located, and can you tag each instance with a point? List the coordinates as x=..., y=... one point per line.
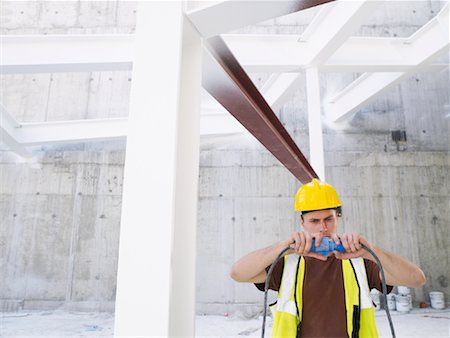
x=431, y=41
x=326, y=44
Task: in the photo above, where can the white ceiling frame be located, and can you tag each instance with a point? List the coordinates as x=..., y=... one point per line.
x=18, y=136
x=9, y=128
x=425, y=45
x=332, y=26
x=278, y=54
x=22, y=54
x=341, y=18
x=33, y=134
x=279, y=88
x=256, y=53
x=225, y=16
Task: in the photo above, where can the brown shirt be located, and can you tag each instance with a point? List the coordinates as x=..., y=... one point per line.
x=323, y=295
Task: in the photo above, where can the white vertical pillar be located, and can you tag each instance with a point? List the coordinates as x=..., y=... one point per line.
x=161, y=175
x=315, y=122
x=182, y=296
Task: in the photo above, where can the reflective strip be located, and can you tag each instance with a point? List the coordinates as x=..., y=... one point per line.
x=360, y=270
x=286, y=301
x=288, y=307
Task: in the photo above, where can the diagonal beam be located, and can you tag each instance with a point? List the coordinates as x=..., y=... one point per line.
x=226, y=16
x=9, y=128
x=332, y=26
x=279, y=88
x=429, y=42
x=228, y=83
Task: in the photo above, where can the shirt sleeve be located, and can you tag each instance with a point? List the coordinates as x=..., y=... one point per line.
x=373, y=276
x=275, y=279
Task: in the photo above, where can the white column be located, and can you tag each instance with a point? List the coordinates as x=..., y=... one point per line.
x=315, y=122
x=157, y=233
x=182, y=296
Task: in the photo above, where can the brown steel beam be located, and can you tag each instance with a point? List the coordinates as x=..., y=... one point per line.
x=227, y=82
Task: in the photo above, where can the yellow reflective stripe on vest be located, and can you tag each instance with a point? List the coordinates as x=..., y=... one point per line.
x=358, y=304
x=299, y=288
x=351, y=289
x=357, y=298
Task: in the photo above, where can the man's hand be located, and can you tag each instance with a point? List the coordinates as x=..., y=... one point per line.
x=303, y=242
x=352, y=243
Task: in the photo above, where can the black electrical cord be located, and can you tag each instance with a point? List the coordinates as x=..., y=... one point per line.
x=266, y=287
x=383, y=287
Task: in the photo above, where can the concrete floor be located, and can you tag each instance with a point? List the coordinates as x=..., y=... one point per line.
x=418, y=323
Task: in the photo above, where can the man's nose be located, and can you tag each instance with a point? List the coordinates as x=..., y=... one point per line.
x=323, y=225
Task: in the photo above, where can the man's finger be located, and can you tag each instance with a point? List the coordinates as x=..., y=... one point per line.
x=356, y=241
x=336, y=239
x=345, y=243
x=352, y=242
x=302, y=243
x=318, y=238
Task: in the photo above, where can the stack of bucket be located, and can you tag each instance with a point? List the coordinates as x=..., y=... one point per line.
x=403, y=300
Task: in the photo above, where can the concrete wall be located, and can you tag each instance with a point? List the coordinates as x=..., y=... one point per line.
x=61, y=213
x=59, y=230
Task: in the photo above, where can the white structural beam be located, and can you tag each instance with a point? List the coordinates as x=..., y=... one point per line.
x=184, y=249
x=332, y=26
x=279, y=88
x=65, y=53
x=224, y=16
x=158, y=222
x=8, y=133
x=428, y=43
x=33, y=134
x=19, y=136
x=281, y=53
x=315, y=122
x=256, y=53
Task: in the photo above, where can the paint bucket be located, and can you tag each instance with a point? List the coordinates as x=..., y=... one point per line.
x=403, y=290
x=375, y=295
x=402, y=303
x=410, y=301
x=391, y=301
x=437, y=300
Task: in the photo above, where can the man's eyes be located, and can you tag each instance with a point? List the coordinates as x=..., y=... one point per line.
x=318, y=220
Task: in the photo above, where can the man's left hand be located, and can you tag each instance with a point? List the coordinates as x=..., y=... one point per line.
x=352, y=243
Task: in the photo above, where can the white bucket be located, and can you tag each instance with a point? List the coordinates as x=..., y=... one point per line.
x=403, y=290
x=375, y=295
x=410, y=301
x=391, y=301
x=437, y=300
x=402, y=303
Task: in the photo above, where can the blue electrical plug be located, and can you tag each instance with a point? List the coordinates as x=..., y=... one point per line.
x=326, y=246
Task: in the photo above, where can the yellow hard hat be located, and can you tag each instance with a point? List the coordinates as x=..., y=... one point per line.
x=316, y=195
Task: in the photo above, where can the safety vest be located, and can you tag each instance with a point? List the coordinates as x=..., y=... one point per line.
x=358, y=304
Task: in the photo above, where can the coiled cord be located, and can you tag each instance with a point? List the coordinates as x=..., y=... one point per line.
x=383, y=287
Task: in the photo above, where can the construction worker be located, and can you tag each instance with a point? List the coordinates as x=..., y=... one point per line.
x=324, y=296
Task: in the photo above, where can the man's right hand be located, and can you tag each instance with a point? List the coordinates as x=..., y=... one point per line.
x=303, y=242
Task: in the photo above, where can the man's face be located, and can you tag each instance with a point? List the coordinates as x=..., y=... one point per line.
x=324, y=221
